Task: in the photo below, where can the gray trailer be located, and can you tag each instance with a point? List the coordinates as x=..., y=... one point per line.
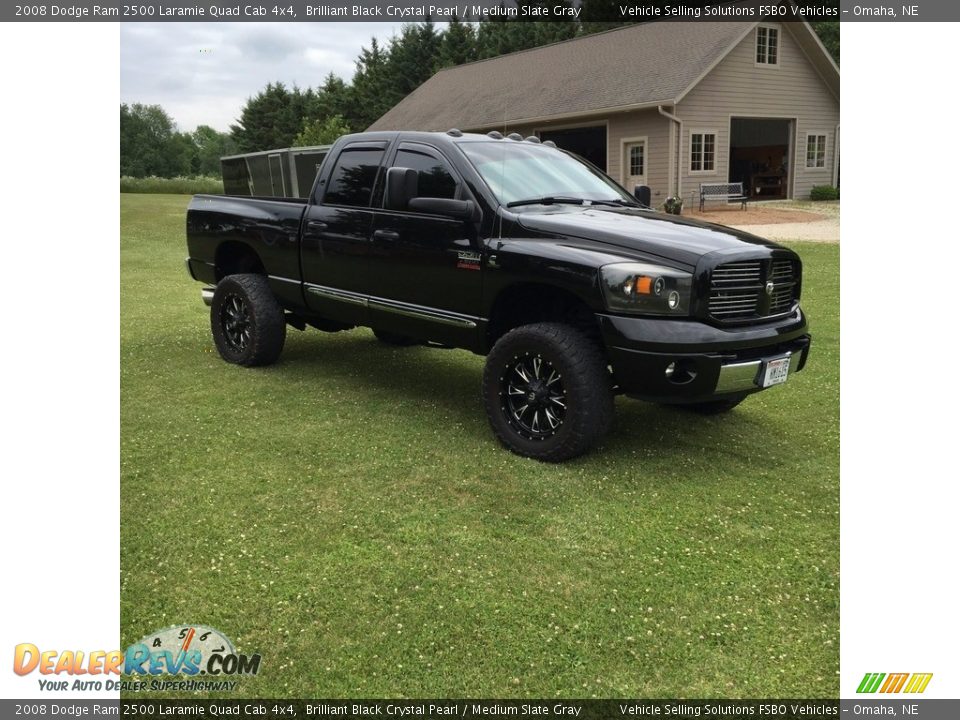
x=288, y=172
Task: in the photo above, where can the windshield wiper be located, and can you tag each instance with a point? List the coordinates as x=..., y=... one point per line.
x=616, y=202
x=546, y=200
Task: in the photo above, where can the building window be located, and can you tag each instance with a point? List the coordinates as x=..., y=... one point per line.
x=768, y=45
x=702, y=151
x=816, y=151
x=636, y=160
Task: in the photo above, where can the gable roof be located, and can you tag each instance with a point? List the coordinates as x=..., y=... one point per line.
x=640, y=65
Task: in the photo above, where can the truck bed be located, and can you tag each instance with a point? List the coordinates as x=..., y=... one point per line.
x=267, y=225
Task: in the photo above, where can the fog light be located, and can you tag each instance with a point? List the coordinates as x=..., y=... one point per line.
x=680, y=372
x=673, y=300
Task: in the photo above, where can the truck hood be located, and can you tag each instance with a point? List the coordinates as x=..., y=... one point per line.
x=643, y=231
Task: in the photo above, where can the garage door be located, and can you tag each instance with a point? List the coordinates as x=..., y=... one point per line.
x=587, y=142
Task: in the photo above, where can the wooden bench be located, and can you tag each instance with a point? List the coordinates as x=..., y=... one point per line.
x=723, y=191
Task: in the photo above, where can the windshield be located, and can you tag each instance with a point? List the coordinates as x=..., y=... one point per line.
x=517, y=171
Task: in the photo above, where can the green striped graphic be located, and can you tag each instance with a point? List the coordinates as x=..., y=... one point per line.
x=870, y=682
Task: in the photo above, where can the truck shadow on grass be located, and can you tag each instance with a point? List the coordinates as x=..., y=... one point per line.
x=431, y=390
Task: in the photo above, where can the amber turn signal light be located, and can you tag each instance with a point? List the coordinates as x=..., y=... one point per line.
x=643, y=285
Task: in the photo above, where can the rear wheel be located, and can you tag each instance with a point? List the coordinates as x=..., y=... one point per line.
x=247, y=322
x=547, y=392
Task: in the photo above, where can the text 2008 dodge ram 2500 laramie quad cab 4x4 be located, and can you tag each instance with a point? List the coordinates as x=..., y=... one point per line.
x=515, y=250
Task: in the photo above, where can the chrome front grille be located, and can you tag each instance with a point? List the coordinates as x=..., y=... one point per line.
x=739, y=290
x=737, y=273
x=782, y=271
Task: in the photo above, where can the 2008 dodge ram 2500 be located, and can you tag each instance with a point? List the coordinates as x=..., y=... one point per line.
x=515, y=250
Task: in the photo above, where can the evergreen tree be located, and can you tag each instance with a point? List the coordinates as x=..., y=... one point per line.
x=556, y=30
x=458, y=44
x=598, y=15
x=411, y=59
x=430, y=42
x=332, y=98
x=303, y=104
x=492, y=37
x=269, y=120
x=829, y=34
x=372, y=94
x=520, y=35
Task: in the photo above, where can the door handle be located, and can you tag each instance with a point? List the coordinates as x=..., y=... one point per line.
x=316, y=225
x=385, y=235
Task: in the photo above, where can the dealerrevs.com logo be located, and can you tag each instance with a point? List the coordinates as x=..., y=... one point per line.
x=185, y=651
x=894, y=682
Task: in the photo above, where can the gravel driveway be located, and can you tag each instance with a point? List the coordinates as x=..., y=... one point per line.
x=819, y=231
x=786, y=220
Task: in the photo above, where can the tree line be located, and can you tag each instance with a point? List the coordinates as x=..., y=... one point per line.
x=280, y=116
x=151, y=145
x=385, y=74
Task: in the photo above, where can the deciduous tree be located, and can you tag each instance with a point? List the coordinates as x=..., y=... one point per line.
x=322, y=132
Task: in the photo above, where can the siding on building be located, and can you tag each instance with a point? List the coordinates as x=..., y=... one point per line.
x=737, y=87
x=656, y=128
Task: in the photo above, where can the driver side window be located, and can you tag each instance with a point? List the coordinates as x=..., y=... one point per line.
x=434, y=179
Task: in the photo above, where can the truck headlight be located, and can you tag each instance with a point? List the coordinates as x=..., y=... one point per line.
x=646, y=289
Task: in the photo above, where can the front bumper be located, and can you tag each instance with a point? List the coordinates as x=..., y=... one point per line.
x=680, y=361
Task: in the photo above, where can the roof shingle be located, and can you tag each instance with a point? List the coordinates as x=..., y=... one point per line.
x=638, y=64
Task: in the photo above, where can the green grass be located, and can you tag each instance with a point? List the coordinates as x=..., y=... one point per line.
x=179, y=185
x=348, y=514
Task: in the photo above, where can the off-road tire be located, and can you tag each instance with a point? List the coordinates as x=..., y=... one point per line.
x=247, y=322
x=585, y=391
x=389, y=338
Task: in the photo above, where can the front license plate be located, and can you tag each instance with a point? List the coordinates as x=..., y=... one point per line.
x=776, y=371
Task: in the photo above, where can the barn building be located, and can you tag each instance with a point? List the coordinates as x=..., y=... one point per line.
x=664, y=104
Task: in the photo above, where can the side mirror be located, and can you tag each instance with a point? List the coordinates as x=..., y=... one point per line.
x=457, y=209
x=400, y=189
x=642, y=194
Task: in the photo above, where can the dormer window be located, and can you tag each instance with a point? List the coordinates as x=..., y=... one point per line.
x=768, y=45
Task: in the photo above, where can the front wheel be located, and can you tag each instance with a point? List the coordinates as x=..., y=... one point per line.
x=247, y=321
x=547, y=392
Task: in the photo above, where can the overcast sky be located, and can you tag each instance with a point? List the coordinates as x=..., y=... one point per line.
x=203, y=73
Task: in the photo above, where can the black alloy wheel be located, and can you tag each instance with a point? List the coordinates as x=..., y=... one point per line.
x=235, y=320
x=532, y=397
x=247, y=322
x=547, y=391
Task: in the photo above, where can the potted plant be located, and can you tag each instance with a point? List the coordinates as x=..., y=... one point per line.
x=673, y=205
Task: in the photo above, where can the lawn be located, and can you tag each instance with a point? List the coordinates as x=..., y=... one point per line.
x=348, y=515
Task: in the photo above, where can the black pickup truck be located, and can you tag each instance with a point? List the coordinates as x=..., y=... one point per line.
x=513, y=249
